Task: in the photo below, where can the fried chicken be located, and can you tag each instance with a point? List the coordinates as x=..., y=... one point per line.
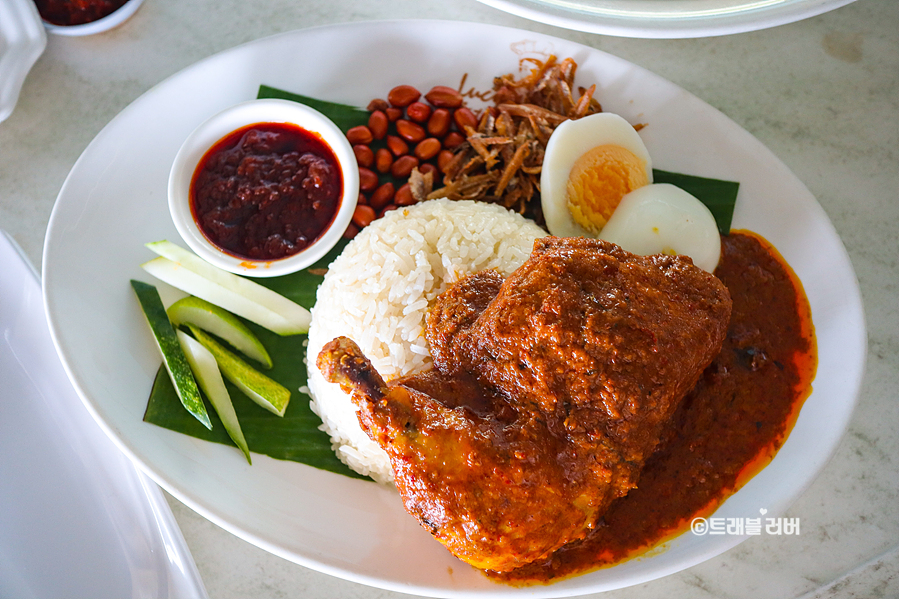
x=549, y=391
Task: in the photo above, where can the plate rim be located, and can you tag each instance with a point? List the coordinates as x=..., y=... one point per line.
x=682, y=19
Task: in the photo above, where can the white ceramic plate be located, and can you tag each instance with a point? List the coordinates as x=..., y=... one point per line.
x=666, y=18
x=115, y=199
x=78, y=520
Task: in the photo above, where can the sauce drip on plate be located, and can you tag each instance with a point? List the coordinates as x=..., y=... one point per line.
x=266, y=191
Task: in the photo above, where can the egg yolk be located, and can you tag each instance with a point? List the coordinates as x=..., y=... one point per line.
x=597, y=182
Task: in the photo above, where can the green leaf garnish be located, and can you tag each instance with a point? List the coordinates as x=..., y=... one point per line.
x=345, y=117
x=719, y=196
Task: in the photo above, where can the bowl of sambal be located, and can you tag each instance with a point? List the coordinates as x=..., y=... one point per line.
x=264, y=188
x=85, y=17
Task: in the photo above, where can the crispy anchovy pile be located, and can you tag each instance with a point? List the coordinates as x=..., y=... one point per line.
x=500, y=162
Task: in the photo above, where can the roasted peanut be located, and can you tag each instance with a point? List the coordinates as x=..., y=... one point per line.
x=364, y=156
x=377, y=104
x=368, y=179
x=453, y=139
x=403, y=95
x=397, y=145
x=387, y=209
x=403, y=166
x=418, y=112
x=428, y=167
x=382, y=196
x=383, y=160
x=363, y=215
x=427, y=148
x=351, y=231
x=442, y=96
x=443, y=158
x=359, y=135
x=439, y=123
x=403, y=196
x=377, y=124
x=465, y=117
x=393, y=114
x=411, y=132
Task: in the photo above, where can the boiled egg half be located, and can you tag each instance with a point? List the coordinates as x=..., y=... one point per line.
x=597, y=182
x=589, y=165
x=664, y=219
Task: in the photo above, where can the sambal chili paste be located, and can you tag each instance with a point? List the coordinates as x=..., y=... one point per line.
x=266, y=191
x=727, y=428
x=76, y=12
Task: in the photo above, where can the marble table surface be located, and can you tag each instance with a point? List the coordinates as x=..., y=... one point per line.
x=822, y=94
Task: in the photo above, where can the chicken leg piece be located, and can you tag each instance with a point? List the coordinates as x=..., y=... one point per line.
x=548, y=393
x=497, y=494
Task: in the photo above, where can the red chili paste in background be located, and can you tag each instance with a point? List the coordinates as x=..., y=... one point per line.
x=76, y=12
x=727, y=428
x=266, y=191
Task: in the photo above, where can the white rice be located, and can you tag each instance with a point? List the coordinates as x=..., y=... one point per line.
x=378, y=291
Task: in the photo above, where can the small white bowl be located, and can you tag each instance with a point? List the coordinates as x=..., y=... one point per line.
x=110, y=21
x=219, y=126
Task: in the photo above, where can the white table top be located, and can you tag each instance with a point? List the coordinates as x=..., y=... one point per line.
x=822, y=94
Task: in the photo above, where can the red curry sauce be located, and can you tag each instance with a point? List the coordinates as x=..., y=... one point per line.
x=266, y=191
x=726, y=430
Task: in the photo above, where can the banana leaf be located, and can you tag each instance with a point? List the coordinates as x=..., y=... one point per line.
x=719, y=196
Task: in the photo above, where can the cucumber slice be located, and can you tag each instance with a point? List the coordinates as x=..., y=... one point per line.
x=172, y=356
x=239, y=295
x=219, y=322
x=266, y=392
x=207, y=373
x=187, y=280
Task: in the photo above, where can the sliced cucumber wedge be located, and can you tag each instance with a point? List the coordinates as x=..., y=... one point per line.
x=221, y=323
x=207, y=373
x=172, y=355
x=268, y=393
x=188, y=272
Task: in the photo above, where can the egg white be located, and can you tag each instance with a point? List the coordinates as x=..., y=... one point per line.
x=569, y=141
x=664, y=219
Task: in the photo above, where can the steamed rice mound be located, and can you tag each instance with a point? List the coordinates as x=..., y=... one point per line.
x=378, y=291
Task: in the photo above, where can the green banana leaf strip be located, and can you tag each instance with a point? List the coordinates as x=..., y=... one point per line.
x=296, y=436
x=345, y=117
x=719, y=196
